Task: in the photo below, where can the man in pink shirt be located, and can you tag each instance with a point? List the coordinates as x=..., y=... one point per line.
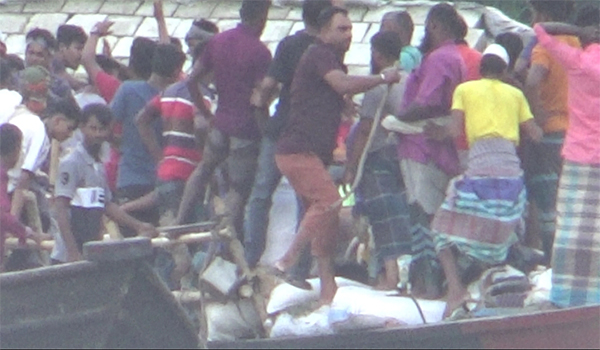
x=576, y=262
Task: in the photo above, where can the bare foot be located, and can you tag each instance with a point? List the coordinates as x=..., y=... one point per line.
x=327, y=294
x=454, y=302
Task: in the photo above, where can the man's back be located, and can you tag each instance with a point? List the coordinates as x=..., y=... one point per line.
x=136, y=166
x=239, y=60
x=34, y=146
x=553, y=90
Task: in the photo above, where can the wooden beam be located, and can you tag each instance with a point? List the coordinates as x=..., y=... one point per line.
x=190, y=238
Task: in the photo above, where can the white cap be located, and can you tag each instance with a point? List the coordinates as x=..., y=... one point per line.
x=497, y=50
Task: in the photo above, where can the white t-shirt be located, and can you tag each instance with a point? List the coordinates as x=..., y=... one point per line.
x=10, y=100
x=35, y=146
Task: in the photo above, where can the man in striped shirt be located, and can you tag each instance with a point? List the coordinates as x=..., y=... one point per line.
x=181, y=146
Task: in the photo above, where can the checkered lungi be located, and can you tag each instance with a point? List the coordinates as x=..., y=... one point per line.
x=484, y=207
x=381, y=197
x=542, y=163
x=576, y=251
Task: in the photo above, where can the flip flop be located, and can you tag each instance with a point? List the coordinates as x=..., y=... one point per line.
x=289, y=279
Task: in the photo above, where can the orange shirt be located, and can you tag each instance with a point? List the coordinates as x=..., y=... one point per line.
x=472, y=60
x=554, y=89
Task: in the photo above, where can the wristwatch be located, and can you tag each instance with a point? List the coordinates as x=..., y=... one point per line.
x=382, y=77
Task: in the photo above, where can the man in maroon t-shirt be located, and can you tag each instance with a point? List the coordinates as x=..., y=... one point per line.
x=306, y=146
x=238, y=61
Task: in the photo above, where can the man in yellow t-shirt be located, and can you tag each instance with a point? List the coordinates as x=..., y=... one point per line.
x=496, y=109
x=546, y=89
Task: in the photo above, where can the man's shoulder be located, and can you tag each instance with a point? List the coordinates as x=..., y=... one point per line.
x=26, y=120
x=177, y=89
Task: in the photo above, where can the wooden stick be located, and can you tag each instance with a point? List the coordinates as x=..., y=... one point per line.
x=190, y=238
x=54, y=157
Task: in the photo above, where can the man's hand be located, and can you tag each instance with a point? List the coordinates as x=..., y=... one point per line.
x=159, y=13
x=590, y=34
x=102, y=28
x=391, y=75
x=147, y=230
x=349, y=176
x=106, y=48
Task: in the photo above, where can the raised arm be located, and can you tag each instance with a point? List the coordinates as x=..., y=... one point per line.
x=88, y=54
x=159, y=15
x=567, y=55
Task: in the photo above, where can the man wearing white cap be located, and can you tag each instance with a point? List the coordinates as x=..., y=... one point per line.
x=483, y=207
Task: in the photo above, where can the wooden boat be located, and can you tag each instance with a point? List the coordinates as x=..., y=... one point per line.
x=568, y=328
x=117, y=301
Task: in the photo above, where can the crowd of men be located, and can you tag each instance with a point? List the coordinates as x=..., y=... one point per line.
x=479, y=140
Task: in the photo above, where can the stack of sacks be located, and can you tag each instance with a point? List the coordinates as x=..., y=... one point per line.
x=355, y=306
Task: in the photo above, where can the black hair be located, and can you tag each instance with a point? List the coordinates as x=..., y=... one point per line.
x=588, y=15
x=140, y=58
x=10, y=139
x=43, y=34
x=107, y=63
x=68, y=34
x=557, y=10
x=167, y=60
x=388, y=44
x=326, y=15
x=206, y=25
x=461, y=30
x=15, y=62
x=405, y=21
x=100, y=111
x=311, y=9
x=491, y=65
x=254, y=10
x=513, y=44
x=65, y=106
x=176, y=42
x=452, y=21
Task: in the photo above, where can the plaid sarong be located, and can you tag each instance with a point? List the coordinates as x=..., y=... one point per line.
x=381, y=197
x=542, y=163
x=576, y=253
x=482, y=212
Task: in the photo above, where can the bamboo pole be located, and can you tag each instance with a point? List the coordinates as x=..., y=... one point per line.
x=163, y=242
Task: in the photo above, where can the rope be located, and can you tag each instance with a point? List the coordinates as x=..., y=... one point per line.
x=365, y=152
x=418, y=307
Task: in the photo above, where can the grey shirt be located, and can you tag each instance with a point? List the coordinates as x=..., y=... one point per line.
x=370, y=104
x=83, y=180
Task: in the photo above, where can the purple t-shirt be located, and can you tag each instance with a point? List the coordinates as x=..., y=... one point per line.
x=239, y=60
x=316, y=108
x=432, y=84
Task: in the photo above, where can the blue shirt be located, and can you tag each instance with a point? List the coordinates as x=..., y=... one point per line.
x=136, y=166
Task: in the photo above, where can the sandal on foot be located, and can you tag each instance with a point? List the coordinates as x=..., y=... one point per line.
x=289, y=279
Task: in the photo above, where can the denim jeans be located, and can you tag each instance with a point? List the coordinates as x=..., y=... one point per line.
x=256, y=216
